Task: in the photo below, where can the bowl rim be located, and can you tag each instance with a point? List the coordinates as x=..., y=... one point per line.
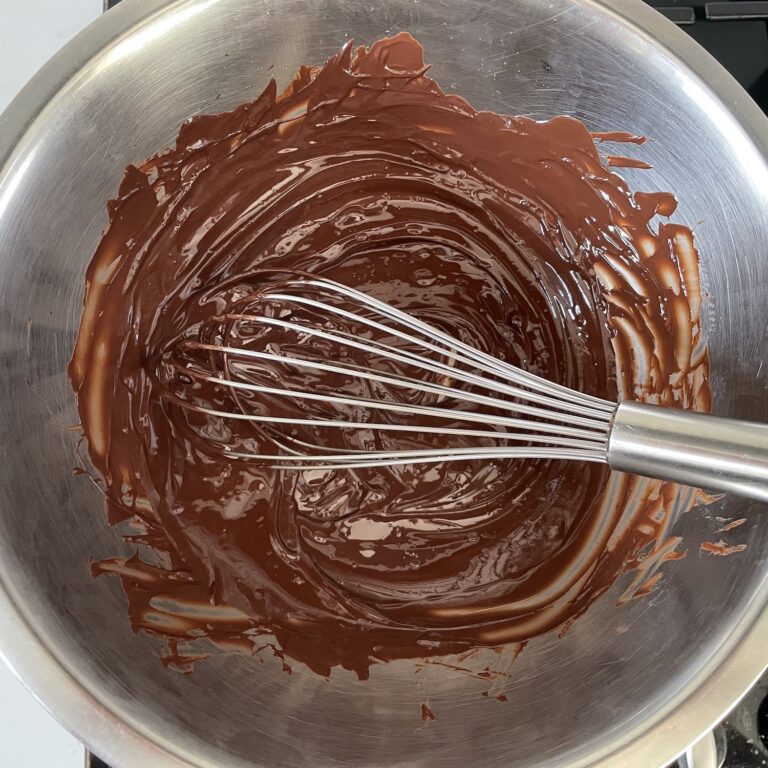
x=696, y=708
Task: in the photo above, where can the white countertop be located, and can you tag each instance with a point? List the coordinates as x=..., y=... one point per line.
x=30, y=32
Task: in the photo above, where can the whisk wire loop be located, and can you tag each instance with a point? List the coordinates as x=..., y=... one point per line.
x=551, y=421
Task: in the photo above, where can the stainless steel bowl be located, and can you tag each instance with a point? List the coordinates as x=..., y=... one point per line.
x=598, y=697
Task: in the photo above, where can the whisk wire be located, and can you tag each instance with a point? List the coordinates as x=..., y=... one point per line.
x=396, y=458
x=441, y=413
x=439, y=389
x=529, y=380
x=494, y=366
x=560, y=423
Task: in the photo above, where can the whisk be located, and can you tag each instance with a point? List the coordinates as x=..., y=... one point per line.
x=510, y=413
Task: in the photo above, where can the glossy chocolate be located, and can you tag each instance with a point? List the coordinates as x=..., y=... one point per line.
x=511, y=234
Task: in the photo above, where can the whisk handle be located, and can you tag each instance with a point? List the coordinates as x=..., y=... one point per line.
x=697, y=449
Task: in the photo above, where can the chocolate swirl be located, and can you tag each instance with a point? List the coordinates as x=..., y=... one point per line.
x=510, y=234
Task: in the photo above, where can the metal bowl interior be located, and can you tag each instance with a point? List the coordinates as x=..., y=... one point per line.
x=116, y=95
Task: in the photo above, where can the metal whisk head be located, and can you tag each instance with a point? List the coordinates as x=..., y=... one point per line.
x=311, y=373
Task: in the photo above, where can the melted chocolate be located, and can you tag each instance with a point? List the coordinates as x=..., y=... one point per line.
x=512, y=235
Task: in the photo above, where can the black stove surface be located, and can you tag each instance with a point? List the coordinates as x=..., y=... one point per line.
x=735, y=32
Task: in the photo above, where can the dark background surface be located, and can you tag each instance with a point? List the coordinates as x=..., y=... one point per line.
x=735, y=33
